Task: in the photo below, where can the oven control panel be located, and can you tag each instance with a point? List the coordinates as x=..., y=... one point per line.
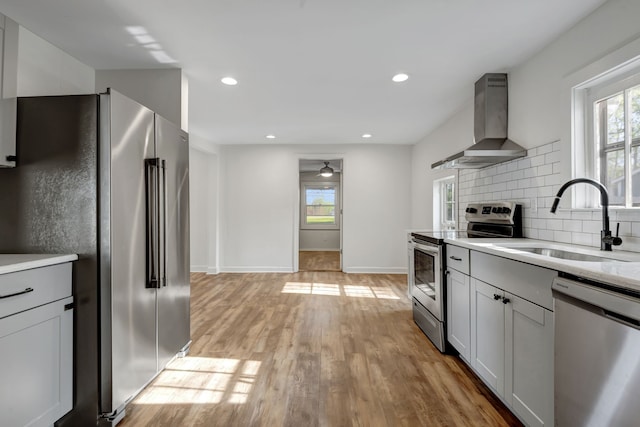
x=498, y=212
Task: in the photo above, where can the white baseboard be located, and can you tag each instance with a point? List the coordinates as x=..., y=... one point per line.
x=199, y=269
x=320, y=250
x=376, y=270
x=256, y=270
x=204, y=269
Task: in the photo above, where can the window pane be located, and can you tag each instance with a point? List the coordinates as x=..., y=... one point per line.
x=615, y=119
x=321, y=205
x=635, y=175
x=634, y=96
x=615, y=176
x=449, y=212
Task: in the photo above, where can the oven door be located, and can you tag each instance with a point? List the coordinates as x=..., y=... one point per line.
x=426, y=272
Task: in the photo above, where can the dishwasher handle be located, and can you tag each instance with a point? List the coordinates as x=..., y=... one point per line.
x=616, y=306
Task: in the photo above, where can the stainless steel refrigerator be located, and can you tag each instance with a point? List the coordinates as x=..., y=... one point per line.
x=106, y=178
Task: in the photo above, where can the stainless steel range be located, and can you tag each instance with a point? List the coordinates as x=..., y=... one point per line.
x=427, y=261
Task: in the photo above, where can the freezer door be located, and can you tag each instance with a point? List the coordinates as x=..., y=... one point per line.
x=174, y=296
x=128, y=306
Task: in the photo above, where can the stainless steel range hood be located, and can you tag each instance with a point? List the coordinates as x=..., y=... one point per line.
x=490, y=128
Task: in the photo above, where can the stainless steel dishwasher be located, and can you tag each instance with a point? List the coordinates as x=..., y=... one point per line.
x=597, y=354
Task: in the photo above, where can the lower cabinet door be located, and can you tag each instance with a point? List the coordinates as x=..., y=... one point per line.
x=36, y=362
x=529, y=361
x=487, y=334
x=458, y=309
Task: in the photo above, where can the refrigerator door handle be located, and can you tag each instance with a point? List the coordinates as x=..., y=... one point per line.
x=164, y=223
x=152, y=181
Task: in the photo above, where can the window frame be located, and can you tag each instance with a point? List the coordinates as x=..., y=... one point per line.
x=577, y=157
x=440, y=203
x=596, y=132
x=303, y=205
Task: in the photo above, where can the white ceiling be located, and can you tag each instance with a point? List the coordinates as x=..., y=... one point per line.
x=309, y=71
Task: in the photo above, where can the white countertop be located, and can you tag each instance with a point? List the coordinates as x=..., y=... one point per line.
x=10, y=263
x=617, y=273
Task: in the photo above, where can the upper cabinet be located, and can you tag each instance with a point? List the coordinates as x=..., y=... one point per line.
x=8, y=88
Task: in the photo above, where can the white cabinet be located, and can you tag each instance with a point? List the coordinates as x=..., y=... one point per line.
x=512, y=351
x=458, y=294
x=487, y=334
x=36, y=338
x=458, y=325
x=529, y=361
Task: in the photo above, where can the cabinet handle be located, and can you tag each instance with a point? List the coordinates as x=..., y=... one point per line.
x=26, y=291
x=496, y=297
x=455, y=258
x=505, y=300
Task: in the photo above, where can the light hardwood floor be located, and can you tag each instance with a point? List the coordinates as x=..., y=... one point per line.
x=311, y=349
x=319, y=261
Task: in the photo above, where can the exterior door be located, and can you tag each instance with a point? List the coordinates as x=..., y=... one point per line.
x=172, y=147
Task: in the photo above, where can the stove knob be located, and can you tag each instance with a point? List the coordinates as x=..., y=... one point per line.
x=494, y=210
x=506, y=210
x=500, y=210
x=471, y=210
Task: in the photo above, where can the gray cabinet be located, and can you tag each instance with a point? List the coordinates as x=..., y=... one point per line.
x=487, y=334
x=36, y=338
x=458, y=300
x=512, y=337
x=529, y=361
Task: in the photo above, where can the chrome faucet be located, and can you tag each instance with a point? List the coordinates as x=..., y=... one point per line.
x=606, y=239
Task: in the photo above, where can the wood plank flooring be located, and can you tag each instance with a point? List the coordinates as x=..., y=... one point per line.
x=311, y=349
x=319, y=261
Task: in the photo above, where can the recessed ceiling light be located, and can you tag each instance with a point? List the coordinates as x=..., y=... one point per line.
x=400, y=77
x=366, y=135
x=230, y=81
x=271, y=136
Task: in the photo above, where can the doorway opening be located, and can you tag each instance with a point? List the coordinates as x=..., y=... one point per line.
x=320, y=228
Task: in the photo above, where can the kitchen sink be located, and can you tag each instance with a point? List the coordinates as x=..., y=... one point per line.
x=562, y=254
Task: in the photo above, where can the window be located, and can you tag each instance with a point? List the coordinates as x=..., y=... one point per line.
x=603, y=128
x=320, y=207
x=617, y=144
x=444, y=203
x=448, y=204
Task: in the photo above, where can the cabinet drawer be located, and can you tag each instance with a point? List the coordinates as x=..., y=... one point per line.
x=27, y=289
x=458, y=258
x=527, y=281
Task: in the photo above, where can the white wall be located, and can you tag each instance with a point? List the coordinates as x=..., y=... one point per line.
x=43, y=69
x=259, y=206
x=539, y=120
x=454, y=135
x=163, y=91
x=203, y=207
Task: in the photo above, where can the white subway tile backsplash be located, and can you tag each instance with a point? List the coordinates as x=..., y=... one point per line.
x=546, y=148
x=534, y=181
x=571, y=225
x=546, y=169
x=562, y=236
x=555, y=224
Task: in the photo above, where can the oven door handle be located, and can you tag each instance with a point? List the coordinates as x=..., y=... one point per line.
x=425, y=248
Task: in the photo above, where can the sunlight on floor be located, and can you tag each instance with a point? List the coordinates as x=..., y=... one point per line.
x=357, y=291
x=202, y=380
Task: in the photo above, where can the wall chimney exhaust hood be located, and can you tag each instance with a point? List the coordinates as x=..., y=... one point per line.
x=490, y=128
